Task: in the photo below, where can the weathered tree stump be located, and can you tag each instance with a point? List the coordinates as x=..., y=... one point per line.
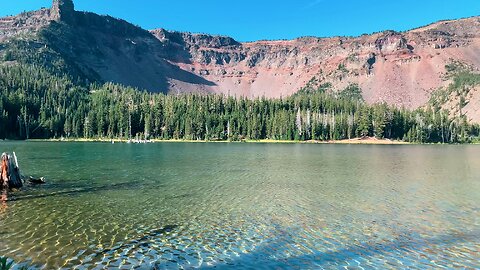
x=9, y=172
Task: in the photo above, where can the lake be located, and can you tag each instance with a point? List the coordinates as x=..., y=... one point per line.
x=244, y=206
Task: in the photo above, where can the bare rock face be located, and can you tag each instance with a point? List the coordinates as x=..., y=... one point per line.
x=399, y=68
x=63, y=10
x=391, y=42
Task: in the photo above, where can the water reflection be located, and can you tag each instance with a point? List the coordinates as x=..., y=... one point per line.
x=3, y=201
x=71, y=190
x=171, y=206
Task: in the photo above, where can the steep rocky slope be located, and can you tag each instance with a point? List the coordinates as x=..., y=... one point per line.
x=398, y=68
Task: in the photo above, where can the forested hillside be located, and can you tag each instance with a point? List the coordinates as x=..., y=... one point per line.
x=36, y=103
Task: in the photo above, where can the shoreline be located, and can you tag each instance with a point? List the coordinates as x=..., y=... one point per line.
x=363, y=141
x=354, y=141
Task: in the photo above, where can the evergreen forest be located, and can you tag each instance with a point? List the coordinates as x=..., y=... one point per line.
x=37, y=104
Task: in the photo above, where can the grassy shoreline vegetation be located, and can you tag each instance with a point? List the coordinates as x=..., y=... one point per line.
x=36, y=103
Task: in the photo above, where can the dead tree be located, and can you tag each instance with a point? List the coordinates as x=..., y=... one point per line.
x=10, y=173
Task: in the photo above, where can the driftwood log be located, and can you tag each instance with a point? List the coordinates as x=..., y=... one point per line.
x=10, y=173
x=36, y=181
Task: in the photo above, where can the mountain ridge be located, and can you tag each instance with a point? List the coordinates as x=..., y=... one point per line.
x=399, y=68
x=383, y=44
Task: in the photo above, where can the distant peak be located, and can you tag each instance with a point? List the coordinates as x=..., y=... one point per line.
x=63, y=10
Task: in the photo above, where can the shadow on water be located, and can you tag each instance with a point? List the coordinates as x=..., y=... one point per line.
x=77, y=190
x=142, y=240
x=405, y=243
x=46, y=158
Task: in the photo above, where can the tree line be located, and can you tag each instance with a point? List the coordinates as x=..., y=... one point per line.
x=36, y=104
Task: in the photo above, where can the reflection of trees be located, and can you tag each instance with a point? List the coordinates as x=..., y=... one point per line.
x=3, y=201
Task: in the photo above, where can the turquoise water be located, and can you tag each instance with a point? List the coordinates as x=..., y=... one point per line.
x=244, y=206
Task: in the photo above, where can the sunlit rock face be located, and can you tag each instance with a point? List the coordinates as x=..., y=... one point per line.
x=63, y=10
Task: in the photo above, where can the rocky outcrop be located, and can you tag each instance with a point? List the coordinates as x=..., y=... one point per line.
x=29, y=23
x=391, y=42
x=23, y=24
x=63, y=10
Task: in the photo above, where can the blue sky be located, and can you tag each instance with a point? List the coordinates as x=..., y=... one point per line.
x=249, y=20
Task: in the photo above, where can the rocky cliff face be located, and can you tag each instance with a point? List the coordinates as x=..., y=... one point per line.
x=397, y=68
x=23, y=24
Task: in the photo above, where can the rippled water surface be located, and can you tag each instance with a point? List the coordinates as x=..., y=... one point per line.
x=250, y=206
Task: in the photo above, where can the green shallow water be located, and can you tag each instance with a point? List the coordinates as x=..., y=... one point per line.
x=244, y=206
